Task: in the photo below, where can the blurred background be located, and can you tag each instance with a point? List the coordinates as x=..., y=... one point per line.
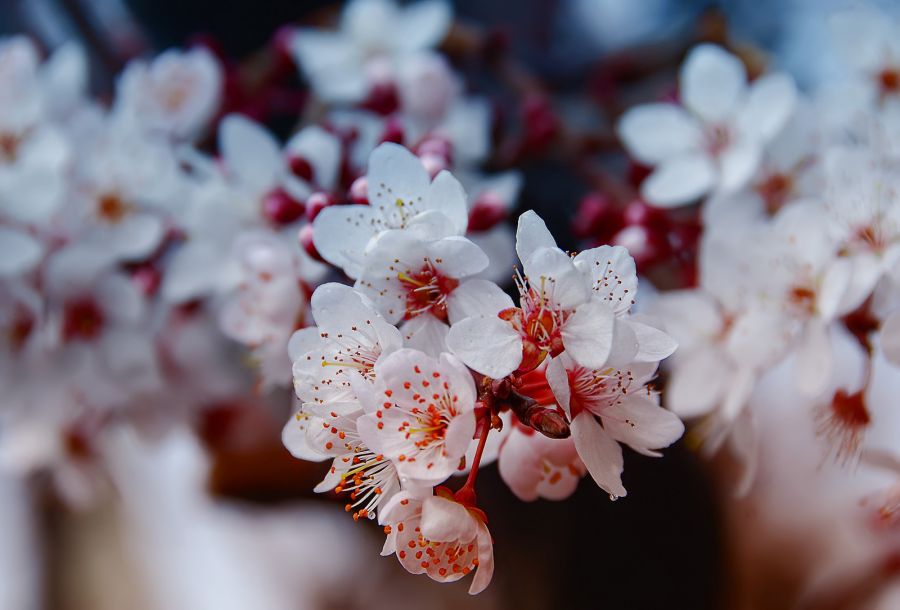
x=225, y=518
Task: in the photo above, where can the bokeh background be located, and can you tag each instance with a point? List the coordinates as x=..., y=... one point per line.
x=669, y=544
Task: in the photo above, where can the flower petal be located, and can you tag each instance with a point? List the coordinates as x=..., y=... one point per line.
x=19, y=252
x=642, y=424
x=655, y=132
x=531, y=235
x=600, y=453
x=712, y=81
x=476, y=298
x=679, y=181
x=588, y=334
x=489, y=345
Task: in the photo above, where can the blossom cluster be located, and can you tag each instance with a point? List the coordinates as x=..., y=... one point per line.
x=161, y=253
x=788, y=340
x=423, y=370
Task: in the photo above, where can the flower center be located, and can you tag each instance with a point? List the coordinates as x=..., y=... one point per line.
x=594, y=390
x=82, y=319
x=843, y=422
x=775, y=190
x=426, y=291
x=889, y=81
x=111, y=208
x=718, y=138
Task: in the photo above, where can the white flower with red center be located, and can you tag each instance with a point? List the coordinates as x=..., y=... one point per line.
x=421, y=411
x=714, y=141
x=97, y=320
x=401, y=195
x=534, y=466
x=611, y=406
x=438, y=536
x=346, y=65
x=369, y=479
x=177, y=93
x=578, y=304
x=351, y=337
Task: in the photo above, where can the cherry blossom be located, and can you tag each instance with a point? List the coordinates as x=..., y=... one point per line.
x=713, y=142
x=578, y=304
x=438, y=536
x=611, y=406
x=401, y=195
x=421, y=410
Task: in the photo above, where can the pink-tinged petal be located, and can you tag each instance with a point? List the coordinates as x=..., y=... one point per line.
x=395, y=175
x=390, y=545
x=612, y=275
x=589, y=334
x=558, y=379
x=341, y=234
x=712, y=82
x=890, y=337
x=768, y=106
x=642, y=424
x=250, y=152
x=655, y=132
x=485, y=570
x=531, y=235
x=489, y=345
x=19, y=252
x=476, y=298
x=457, y=257
x=697, y=382
x=653, y=344
x=600, y=453
x=813, y=359
x=444, y=520
x=679, y=181
x=446, y=195
x=534, y=466
x=295, y=439
x=737, y=165
x=427, y=334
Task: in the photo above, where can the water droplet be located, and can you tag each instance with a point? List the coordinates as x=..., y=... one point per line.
x=613, y=497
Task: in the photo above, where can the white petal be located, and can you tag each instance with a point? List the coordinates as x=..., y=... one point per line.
x=137, y=236
x=476, y=298
x=295, y=439
x=19, y=252
x=489, y=345
x=642, y=424
x=653, y=344
x=558, y=379
x=768, y=106
x=588, y=334
x=737, y=165
x=250, y=152
x=457, y=257
x=612, y=275
x=485, y=570
x=655, y=132
x=444, y=520
x=531, y=235
x=304, y=341
x=712, y=81
x=427, y=334
x=446, y=195
x=395, y=174
x=697, y=382
x=423, y=24
x=679, y=181
x=600, y=453
x=194, y=270
x=552, y=271
x=341, y=234
x=322, y=150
